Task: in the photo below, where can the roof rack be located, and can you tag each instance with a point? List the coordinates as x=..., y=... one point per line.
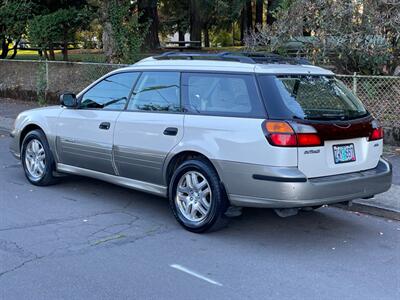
x=243, y=57
x=228, y=56
x=272, y=58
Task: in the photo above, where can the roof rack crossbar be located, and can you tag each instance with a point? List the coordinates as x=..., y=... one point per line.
x=228, y=56
x=263, y=57
x=243, y=57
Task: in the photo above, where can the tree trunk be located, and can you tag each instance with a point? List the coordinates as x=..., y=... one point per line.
x=108, y=42
x=206, y=36
x=249, y=11
x=15, y=48
x=181, y=36
x=195, y=22
x=271, y=5
x=233, y=34
x=64, y=51
x=107, y=38
x=4, y=48
x=259, y=12
x=148, y=15
x=52, y=55
x=242, y=24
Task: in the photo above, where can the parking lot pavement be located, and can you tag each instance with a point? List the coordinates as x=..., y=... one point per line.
x=84, y=238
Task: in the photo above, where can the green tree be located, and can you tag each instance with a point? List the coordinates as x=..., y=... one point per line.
x=58, y=28
x=123, y=36
x=14, y=15
x=174, y=17
x=367, y=42
x=148, y=17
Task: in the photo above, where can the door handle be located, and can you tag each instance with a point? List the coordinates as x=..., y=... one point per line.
x=171, y=131
x=105, y=125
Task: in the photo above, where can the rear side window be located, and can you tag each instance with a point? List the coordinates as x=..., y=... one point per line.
x=221, y=94
x=156, y=91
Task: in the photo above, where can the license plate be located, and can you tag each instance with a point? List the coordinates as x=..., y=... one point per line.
x=344, y=153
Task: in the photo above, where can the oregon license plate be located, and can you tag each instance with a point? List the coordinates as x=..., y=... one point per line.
x=344, y=153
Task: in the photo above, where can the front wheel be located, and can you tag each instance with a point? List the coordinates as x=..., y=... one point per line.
x=197, y=197
x=37, y=159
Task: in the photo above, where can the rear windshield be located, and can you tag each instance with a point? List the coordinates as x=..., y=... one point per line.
x=319, y=98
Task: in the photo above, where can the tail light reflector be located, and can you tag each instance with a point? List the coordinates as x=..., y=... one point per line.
x=283, y=139
x=376, y=134
x=308, y=139
x=281, y=134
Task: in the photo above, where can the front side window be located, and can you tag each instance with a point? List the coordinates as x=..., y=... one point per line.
x=319, y=98
x=156, y=91
x=221, y=94
x=110, y=93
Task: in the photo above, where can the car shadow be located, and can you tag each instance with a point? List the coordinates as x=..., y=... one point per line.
x=261, y=227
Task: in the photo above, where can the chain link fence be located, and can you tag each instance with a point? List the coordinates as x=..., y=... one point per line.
x=76, y=76
x=380, y=94
x=30, y=79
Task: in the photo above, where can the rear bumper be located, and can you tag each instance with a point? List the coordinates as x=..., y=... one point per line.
x=288, y=187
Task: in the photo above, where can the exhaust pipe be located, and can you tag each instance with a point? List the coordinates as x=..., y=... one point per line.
x=286, y=212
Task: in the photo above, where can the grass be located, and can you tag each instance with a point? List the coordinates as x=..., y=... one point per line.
x=73, y=55
x=95, y=55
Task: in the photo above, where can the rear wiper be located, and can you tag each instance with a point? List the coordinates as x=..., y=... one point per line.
x=326, y=117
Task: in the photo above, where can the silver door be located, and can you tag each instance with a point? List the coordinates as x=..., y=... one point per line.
x=85, y=134
x=150, y=128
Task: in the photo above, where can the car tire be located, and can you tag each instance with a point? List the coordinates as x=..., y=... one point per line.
x=37, y=159
x=199, y=205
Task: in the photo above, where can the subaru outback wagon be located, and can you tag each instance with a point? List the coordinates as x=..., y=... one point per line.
x=212, y=132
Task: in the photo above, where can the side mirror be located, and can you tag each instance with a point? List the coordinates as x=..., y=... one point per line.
x=68, y=100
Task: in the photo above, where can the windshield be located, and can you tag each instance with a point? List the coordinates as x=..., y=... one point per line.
x=319, y=98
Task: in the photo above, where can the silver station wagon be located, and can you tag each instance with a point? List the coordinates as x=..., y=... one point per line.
x=213, y=133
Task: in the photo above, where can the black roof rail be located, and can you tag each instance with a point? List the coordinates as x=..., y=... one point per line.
x=228, y=56
x=272, y=58
x=243, y=57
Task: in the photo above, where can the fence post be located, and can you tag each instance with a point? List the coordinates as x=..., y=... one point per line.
x=47, y=80
x=355, y=83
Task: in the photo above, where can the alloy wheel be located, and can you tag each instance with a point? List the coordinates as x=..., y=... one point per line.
x=193, y=196
x=35, y=159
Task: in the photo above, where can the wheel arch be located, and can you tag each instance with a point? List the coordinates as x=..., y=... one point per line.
x=180, y=157
x=28, y=128
x=175, y=160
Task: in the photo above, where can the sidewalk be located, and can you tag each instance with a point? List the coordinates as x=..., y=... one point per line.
x=9, y=110
x=386, y=204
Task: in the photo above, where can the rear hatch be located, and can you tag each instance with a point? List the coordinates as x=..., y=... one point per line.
x=346, y=148
x=350, y=139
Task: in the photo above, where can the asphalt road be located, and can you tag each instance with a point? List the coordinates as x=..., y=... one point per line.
x=85, y=239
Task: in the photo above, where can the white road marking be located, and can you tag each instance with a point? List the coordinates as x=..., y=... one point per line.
x=186, y=270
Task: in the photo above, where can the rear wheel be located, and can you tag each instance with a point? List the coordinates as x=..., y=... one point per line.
x=37, y=159
x=197, y=197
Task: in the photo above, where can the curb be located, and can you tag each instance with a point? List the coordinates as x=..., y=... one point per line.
x=370, y=210
x=4, y=129
x=6, y=124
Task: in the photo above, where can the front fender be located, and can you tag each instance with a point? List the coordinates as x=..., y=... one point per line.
x=44, y=118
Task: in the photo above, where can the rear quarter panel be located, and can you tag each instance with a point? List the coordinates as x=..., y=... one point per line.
x=233, y=139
